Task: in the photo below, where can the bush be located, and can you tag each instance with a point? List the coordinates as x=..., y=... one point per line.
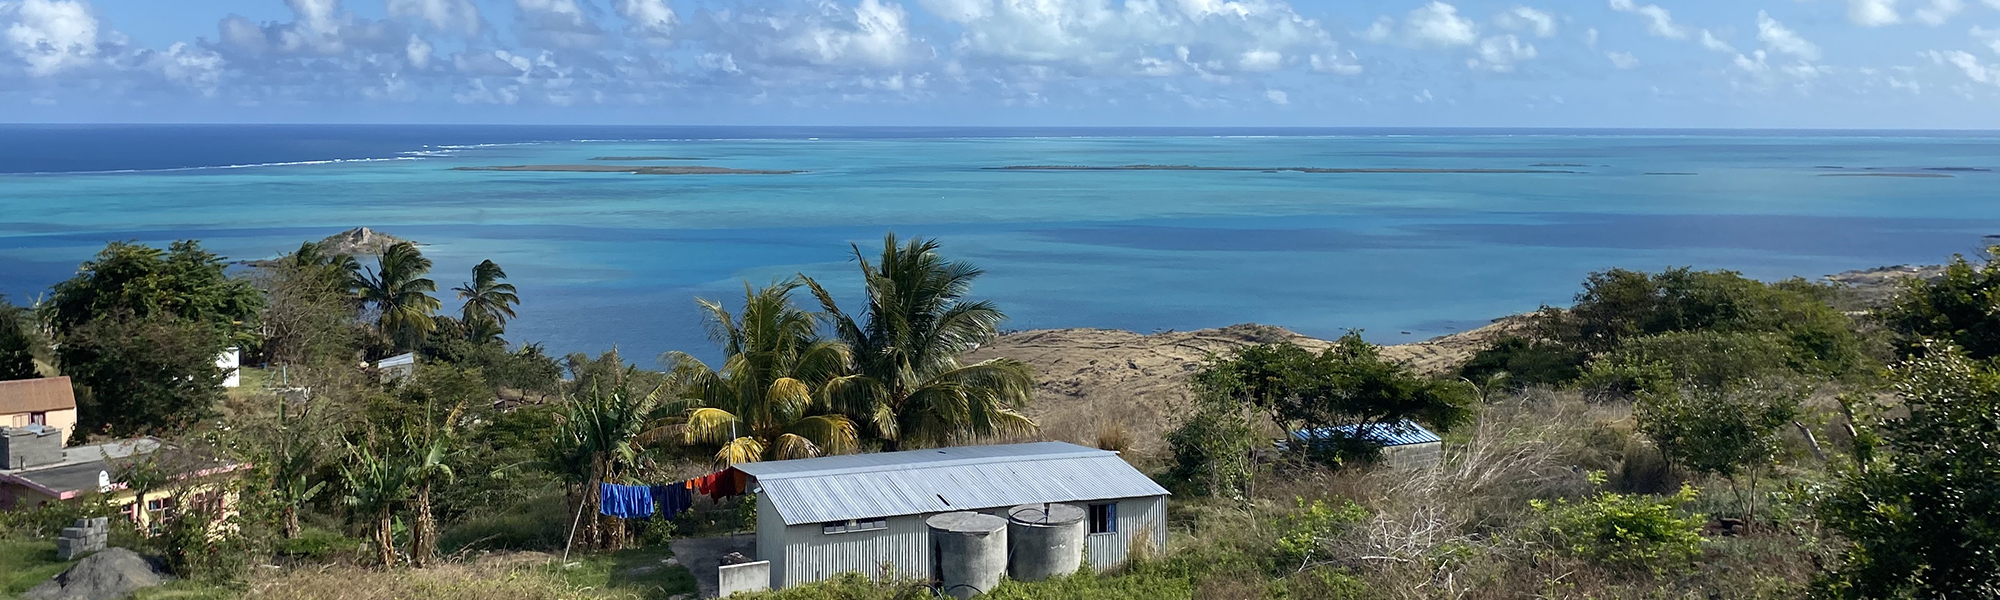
x=1516, y=362
x=1620, y=305
x=1727, y=433
x=1305, y=533
x=1627, y=531
x=1211, y=448
x=1708, y=359
x=1959, y=307
x=318, y=545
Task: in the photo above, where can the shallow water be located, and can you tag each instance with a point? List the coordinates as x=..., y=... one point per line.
x=605, y=258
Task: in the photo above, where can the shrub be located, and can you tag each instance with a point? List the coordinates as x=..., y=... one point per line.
x=1727, y=433
x=1620, y=305
x=1515, y=362
x=1306, y=532
x=1211, y=448
x=1958, y=307
x=1629, y=531
x=1658, y=363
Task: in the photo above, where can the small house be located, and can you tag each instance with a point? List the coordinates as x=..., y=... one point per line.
x=47, y=402
x=865, y=513
x=1404, y=444
x=38, y=470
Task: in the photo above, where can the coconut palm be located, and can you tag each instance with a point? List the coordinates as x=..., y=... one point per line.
x=376, y=485
x=486, y=297
x=311, y=256
x=761, y=404
x=598, y=440
x=400, y=294
x=907, y=381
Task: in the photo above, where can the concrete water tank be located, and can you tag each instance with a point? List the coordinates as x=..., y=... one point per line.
x=1046, y=540
x=968, y=552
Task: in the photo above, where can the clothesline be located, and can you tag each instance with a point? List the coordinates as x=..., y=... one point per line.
x=644, y=501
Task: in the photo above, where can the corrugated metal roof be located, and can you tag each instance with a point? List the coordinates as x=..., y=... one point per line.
x=1386, y=434
x=888, y=484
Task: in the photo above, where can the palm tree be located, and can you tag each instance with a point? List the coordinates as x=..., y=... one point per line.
x=598, y=440
x=311, y=256
x=486, y=298
x=907, y=381
x=397, y=289
x=761, y=404
x=376, y=485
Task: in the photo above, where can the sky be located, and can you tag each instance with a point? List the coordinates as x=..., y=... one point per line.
x=1931, y=64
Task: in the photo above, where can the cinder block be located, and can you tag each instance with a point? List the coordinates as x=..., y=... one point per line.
x=75, y=532
x=68, y=548
x=101, y=524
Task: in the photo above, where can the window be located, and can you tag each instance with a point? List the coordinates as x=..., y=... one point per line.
x=853, y=525
x=1103, y=518
x=38, y=418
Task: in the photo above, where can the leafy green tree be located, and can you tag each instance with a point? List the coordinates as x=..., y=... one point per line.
x=907, y=382
x=292, y=458
x=1348, y=386
x=433, y=448
x=1516, y=362
x=1620, y=305
x=762, y=402
x=1924, y=521
x=136, y=374
x=1962, y=306
x=1734, y=433
x=1211, y=446
x=17, y=348
x=598, y=440
x=142, y=282
x=488, y=299
x=376, y=486
x=399, y=294
x=1704, y=359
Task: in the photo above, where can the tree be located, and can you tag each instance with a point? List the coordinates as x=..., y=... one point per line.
x=1517, y=362
x=762, y=402
x=907, y=383
x=433, y=446
x=1924, y=521
x=598, y=439
x=1211, y=446
x=309, y=312
x=376, y=486
x=1702, y=359
x=1344, y=389
x=137, y=374
x=297, y=449
x=400, y=295
x=487, y=299
x=1733, y=432
x=17, y=348
x=1962, y=307
x=1620, y=305
x=126, y=278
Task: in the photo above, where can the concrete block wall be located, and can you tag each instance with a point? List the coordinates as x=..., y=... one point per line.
x=87, y=536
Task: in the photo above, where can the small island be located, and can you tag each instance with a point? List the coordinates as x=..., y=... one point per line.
x=1263, y=169
x=626, y=158
x=1916, y=175
x=633, y=169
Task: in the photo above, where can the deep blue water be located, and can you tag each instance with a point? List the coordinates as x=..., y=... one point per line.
x=607, y=259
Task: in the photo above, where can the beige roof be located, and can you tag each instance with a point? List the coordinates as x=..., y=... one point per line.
x=36, y=395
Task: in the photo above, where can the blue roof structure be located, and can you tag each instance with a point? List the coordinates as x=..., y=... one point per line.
x=1402, y=433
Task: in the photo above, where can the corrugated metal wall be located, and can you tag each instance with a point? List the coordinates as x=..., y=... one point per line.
x=1135, y=515
x=810, y=555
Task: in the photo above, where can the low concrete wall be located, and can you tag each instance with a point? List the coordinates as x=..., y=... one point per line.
x=746, y=577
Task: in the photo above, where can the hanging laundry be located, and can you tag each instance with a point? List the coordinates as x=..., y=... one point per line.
x=673, y=499
x=624, y=501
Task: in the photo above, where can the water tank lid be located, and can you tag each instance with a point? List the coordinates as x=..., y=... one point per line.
x=1046, y=514
x=966, y=522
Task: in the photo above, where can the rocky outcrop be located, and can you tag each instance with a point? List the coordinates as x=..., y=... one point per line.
x=359, y=241
x=107, y=575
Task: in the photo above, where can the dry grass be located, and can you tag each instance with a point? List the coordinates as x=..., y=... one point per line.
x=446, y=582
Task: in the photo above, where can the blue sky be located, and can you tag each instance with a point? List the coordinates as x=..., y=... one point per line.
x=1539, y=63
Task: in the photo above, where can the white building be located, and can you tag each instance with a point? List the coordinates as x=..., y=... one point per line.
x=819, y=517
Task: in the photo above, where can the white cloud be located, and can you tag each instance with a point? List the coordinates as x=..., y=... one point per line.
x=1116, y=37
x=418, y=53
x=1622, y=60
x=1990, y=37
x=1709, y=41
x=556, y=23
x=1277, y=97
x=869, y=35
x=649, y=18
x=52, y=36
x=1590, y=37
x=1659, y=21
x=1873, y=13
x=1438, y=24
x=457, y=16
x=1939, y=11
x=1522, y=18
x=1967, y=63
x=192, y=66
x=1501, y=52
x=1780, y=39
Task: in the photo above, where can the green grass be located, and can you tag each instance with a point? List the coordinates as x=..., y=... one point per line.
x=27, y=563
x=640, y=572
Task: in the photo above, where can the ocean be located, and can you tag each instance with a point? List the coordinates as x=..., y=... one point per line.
x=617, y=259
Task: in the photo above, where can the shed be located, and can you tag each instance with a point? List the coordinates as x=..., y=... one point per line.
x=1404, y=443
x=48, y=402
x=865, y=513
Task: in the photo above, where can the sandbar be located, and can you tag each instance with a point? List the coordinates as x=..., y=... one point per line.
x=1263, y=169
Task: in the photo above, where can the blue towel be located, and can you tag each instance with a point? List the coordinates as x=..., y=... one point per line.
x=624, y=501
